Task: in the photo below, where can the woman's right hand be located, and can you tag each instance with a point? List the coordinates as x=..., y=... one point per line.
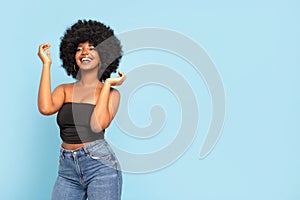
x=45, y=57
x=118, y=80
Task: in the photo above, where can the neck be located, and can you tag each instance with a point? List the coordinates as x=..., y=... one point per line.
x=88, y=79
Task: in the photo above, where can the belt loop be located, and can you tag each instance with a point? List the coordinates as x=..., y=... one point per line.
x=62, y=154
x=85, y=150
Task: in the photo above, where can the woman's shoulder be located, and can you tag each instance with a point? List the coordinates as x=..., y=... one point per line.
x=66, y=85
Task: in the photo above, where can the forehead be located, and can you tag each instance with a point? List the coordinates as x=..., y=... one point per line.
x=86, y=43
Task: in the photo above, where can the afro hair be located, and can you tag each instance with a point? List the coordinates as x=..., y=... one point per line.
x=100, y=36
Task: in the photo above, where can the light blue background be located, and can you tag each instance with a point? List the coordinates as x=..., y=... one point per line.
x=255, y=46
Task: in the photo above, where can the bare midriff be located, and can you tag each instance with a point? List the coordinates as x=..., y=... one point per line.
x=73, y=146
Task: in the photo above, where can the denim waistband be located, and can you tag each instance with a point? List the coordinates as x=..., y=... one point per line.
x=85, y=149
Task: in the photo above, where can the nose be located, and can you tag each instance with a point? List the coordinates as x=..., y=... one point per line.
x=84, y=51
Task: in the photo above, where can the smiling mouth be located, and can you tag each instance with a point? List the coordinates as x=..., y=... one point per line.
x=85, y=60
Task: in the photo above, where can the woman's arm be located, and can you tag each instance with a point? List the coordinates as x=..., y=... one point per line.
x=48, y=103
x=107, y=104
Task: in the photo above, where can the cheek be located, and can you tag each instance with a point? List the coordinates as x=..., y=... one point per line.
x=97, y=57
x=76, y=55
x=76, y=58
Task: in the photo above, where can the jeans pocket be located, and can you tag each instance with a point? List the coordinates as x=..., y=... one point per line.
x=101, y=152
x=60, y=162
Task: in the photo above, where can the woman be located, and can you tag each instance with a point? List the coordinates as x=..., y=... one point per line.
x=88, y=167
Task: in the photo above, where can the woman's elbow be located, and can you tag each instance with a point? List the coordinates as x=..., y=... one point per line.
x=100, y=126
x=45, y=111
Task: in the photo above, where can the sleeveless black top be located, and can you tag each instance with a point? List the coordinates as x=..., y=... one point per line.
x=73, y=120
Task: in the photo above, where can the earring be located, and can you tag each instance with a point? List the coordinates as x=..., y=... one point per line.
x=74, y=68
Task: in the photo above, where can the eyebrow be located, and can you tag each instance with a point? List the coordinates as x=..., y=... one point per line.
x=80, y=45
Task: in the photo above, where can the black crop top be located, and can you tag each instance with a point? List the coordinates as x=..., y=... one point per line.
x=73, y=120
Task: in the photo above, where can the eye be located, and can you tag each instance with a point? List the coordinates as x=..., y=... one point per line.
x=92, y=48
x=79, y=49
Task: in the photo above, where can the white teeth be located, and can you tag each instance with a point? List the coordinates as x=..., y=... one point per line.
x=85, y=59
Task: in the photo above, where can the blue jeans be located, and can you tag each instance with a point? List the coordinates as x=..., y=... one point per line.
x=91, y=172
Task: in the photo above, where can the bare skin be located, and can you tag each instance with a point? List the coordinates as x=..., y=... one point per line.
x=86, y=90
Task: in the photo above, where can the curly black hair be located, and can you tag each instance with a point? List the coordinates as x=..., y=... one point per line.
x=100, y=36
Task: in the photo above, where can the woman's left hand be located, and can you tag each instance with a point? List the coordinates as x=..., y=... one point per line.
x=118, y=80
